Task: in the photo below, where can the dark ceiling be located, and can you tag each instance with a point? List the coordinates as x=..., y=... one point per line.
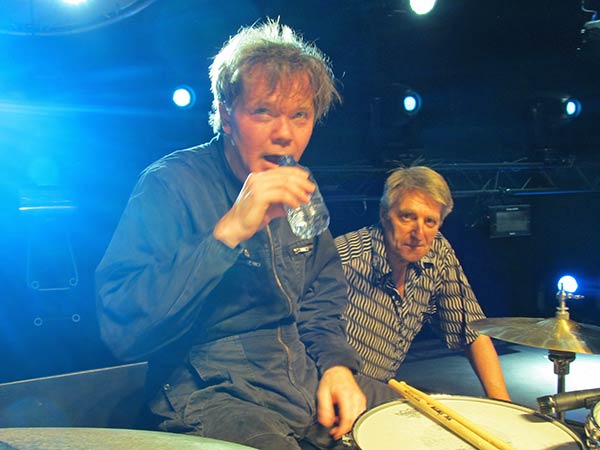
x=478, y=69
x=86, y=102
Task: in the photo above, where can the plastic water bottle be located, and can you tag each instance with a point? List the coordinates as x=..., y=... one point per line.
x=312, y=218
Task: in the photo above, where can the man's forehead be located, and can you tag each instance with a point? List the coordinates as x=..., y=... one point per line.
x=417, y=200
x=261, y=85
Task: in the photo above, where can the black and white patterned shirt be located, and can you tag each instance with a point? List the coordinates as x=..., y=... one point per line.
x=381, y=324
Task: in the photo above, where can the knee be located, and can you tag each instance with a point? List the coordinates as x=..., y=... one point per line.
x=272, y=441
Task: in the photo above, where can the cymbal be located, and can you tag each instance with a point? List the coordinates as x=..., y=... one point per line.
x=553, y=334
x=107, y=438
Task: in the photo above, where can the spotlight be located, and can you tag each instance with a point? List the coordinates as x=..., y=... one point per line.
x=422, y=7
x=571, y=107
x=184, y=97
x=568, y=284
x=411, y=102
x=46, y=18
x=392, y=112
x=555, y=109
x=553, y=115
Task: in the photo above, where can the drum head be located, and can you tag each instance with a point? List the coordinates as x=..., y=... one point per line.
x=397, y=425
x=106, y=438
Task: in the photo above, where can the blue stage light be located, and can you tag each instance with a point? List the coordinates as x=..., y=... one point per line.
x=421, y=7
x=74, y=2
x=184, y=97
x=572, y=107
x=568, y=284
x=411, y=102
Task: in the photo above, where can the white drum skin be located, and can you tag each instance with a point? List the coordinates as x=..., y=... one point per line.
x=398, y=426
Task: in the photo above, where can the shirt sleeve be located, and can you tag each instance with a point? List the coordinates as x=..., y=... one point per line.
x=456, y=303
x=152, y=281
x=320, y=321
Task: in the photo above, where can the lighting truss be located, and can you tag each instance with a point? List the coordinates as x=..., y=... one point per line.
x=365, y=183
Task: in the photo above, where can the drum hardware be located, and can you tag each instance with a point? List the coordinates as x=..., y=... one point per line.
x=558, y=333
x=592, y=428
x=566, y=401
x=561, y=336
x=561, y=362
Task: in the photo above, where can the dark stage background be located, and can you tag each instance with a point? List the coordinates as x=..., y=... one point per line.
x=84, y=108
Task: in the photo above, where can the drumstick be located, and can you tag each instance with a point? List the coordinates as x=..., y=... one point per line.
x=447, y=417
x=451, y=424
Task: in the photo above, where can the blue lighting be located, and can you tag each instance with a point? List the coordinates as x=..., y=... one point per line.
x=421, y=7
x=568, y=284
x=74, y=2
x=184, y=97
x=411, y=102
x=572, y=107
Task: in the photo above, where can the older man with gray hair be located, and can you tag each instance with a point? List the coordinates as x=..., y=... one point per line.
x=403, y=272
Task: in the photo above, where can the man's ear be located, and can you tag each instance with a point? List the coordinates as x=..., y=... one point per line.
x=225, y=116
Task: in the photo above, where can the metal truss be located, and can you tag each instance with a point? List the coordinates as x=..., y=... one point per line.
x=365, y=183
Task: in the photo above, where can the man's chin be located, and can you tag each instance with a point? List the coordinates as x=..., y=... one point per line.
x=412, y=257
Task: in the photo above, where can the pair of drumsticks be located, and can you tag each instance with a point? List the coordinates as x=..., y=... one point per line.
x=448, y=418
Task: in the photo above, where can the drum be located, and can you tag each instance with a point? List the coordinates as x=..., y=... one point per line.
x=397, y=425
x=106, y=438
x=592, y=428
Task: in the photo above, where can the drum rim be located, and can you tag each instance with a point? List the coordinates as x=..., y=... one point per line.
x=514, y=405
x=595, y=415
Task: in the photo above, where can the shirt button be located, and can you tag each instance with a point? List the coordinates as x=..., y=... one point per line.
x=167, y=387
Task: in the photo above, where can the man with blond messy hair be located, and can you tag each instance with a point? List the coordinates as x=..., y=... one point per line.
x=240, y=318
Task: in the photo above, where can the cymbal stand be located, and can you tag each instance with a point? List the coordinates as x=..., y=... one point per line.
x=562, y=359
x=561, y=362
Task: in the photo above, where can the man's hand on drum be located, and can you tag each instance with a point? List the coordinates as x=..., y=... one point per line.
x=340, y=400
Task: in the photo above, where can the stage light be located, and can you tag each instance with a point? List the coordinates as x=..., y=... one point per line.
x=568, y=284
x=411, y=102
x=184, y=97
x=421, y=7
x=590, y=36
x=50, y=18
x=552, y=116
x=557, y=108
x=571, y=107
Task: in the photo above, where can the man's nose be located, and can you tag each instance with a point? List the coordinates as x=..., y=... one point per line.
x=282, y=130
x=417, y=230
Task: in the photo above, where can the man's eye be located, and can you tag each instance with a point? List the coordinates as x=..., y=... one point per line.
x=300, y=115
x=260, y=111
